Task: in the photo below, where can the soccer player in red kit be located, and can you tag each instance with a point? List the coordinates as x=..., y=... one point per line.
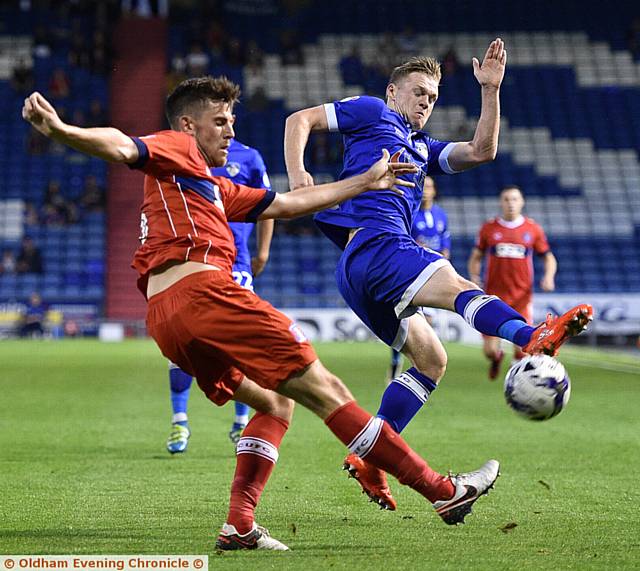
x=236, y=344
x=509, y=242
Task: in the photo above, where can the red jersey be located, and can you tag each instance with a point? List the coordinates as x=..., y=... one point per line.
x=509, y=247
x=185, y=210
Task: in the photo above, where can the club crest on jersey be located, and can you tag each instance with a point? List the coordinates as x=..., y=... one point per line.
x=233, y=169
x=423, y=150
x=526, y=237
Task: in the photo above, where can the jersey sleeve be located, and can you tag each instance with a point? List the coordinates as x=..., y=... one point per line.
x=481, y=241
x=243, y=203
x=353, y=113
x=259, y=176
x=541, y=245
x=438, y=160
x=167, y=153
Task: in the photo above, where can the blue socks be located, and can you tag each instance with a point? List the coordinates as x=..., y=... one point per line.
x=490, y=315
x=180, y=384
x=404, y=397
x=242, y=415
x=395, y=357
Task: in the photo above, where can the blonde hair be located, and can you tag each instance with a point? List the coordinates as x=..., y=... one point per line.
x=427, y=65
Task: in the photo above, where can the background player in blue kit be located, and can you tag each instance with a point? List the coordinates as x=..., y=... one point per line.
x=384, y=274
x=430, y=230
x=244, y=166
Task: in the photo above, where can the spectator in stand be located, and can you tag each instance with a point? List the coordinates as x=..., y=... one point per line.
x=235, y=54
x=8, y=262
x=258, y=101
x=57, y=210
x=32, y=324
x=352, y=68
x=59, y=86
x=92, y=199
x=177, y=73
x=408, y=42
x=216, y=39
x=633, y=38
x=80, y=51
x=97, y=116
x=100, y=56
x=449, y=62
x=37, y=143
x=29, y=259
x=41, y=42
x=388, y=54
x=197, y=60
x=290, y=49
x=254, y=56
x=22, y=77
x=31, y=217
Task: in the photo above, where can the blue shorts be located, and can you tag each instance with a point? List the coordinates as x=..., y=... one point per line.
x=379, y=274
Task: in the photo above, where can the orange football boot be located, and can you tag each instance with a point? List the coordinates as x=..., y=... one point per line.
x=372, y=479
x=550, y=335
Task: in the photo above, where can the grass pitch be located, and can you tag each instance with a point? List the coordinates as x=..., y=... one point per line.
x=84, y=469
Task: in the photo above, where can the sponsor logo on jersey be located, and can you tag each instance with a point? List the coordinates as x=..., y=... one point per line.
x=515, y=251
x=233, y=169
x=297, y=332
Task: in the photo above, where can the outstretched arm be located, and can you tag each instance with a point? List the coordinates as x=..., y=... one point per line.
x=474, y=265
x=296, y=135
x=264, y=233
x=484, y=146
x=383, y=175
x=548, y=282
x=106, y=143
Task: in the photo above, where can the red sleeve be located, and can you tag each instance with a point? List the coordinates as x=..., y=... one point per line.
x=243, y=203
x=168, y=153
x=481, y=242
x=541, y=246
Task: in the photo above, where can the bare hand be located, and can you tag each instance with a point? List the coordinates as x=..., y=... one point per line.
x=491, y=72
x=300, y=179
x=257, y=265
x=384, y=173
x=547, y=283
x=41, y=114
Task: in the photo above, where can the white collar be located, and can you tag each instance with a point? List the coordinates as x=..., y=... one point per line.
x=519, y=221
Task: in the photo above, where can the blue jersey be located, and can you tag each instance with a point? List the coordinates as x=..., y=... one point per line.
x=244, y=166
x=369, y=126
x=430, y=229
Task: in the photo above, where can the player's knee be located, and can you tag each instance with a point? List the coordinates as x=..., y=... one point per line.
x=433, y=366
x=431, y=361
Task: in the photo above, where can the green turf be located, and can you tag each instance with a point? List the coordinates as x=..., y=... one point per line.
x=84, y=469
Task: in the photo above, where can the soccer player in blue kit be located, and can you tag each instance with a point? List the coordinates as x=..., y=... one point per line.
x=430, y=230
x=383, y=273
x=244, y=166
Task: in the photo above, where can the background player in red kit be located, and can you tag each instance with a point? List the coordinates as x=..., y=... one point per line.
x=214, y=329
x=508, y=242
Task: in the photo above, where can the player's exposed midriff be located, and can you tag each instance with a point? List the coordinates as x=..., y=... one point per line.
x=165, y=279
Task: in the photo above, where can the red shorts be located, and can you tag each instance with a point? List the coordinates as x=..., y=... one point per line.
x=218, y=331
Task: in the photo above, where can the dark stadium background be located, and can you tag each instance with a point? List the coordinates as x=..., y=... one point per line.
x=570, y=136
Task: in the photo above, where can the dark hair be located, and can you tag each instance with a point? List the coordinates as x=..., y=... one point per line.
x=427, y=65
x=511, y=187
x=197, y=91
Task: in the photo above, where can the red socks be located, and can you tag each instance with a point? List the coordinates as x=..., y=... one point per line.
x=373, y=439
x=257, y=453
